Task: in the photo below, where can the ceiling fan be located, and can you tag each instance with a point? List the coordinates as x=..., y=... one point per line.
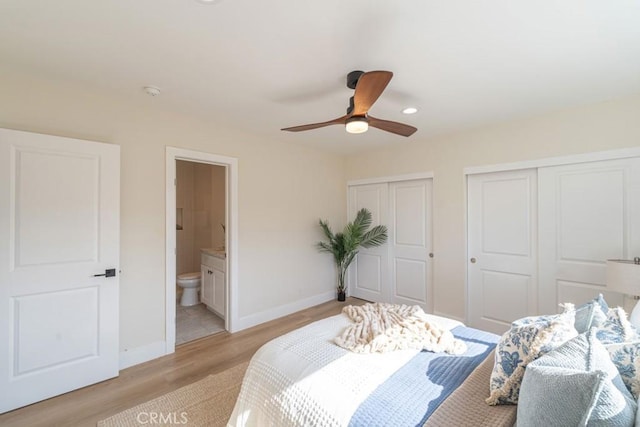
x=368, y=87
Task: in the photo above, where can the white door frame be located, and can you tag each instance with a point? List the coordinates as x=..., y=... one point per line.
x=231, y=221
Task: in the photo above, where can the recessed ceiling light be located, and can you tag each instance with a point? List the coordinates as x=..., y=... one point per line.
x=410, y=110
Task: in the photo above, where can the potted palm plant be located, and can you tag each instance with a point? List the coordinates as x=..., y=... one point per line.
x=344, y=246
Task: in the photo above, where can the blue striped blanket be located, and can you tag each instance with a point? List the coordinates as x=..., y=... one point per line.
x=412, y=393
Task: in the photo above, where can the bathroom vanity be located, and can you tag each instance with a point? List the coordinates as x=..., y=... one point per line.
x=213, y=269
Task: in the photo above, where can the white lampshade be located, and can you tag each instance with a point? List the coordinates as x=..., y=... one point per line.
x=623, y=276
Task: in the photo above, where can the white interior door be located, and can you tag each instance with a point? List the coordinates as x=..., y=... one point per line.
x=502, y=236
x=410, y=243
x=59, y=226
x=370, y=270
x=589, y=212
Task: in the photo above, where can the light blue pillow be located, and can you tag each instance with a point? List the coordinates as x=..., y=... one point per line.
x=589, y=315
x=549, y=395
x=542, y=385
x=602, y=303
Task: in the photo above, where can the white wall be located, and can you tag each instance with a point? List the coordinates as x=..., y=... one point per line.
x=285, y=188
x=605, y=126
x=278, y=212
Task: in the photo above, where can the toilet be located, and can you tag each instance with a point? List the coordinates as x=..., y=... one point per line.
x=189, y=282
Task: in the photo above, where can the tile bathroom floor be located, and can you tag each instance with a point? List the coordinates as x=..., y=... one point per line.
x=196, y=322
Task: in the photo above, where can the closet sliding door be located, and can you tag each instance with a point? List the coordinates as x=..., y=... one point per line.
x=399, y=271
x=540, y=237
x=410, y=249
x=589, y=212
x=369, y=272
x=502, y=250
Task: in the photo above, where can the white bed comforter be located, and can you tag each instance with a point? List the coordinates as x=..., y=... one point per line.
x=304, y=379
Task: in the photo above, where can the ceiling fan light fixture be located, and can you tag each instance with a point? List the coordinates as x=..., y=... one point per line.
x=357, y=125
x=368, y=87
x=409, y=110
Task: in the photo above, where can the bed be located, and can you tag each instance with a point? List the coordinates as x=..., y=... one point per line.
x=304, y=379
x=577, y=367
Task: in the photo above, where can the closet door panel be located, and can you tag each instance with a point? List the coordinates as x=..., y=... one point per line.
x=410, y=243
x=410, y=280
x=589, y=213
x=499, y=288
x=400, y=271
x=370, y=270
x=502, y=258
x=582, y=292
x=367, y=274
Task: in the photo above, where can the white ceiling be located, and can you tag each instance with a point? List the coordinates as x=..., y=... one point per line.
x=264, y=65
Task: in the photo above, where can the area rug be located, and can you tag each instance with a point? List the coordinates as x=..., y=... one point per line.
x=207, y=402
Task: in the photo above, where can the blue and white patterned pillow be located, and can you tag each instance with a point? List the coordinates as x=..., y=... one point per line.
x=528, y=339
x=626, y=357
x=616, y=328
x=622, y=341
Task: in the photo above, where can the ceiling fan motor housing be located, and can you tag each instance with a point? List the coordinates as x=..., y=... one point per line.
x=351, y=106
x=352, y=79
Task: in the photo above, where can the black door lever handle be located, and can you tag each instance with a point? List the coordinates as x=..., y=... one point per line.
x=107, y=273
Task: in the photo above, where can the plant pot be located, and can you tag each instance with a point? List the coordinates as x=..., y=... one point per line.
x=342, y=295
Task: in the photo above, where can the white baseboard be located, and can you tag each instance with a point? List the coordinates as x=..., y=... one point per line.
x=135, y=356
x=283, y=310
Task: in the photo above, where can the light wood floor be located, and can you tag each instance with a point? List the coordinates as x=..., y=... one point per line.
x=135, y=385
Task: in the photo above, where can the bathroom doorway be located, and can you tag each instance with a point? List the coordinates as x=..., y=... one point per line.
x=201, y=229
x=200, y=249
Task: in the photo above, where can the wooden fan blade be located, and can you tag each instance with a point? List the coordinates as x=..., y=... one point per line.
x=369, y=88
x=393, y=127
x=339, y=121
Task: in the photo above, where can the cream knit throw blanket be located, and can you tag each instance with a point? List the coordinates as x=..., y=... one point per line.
x=384, y=327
